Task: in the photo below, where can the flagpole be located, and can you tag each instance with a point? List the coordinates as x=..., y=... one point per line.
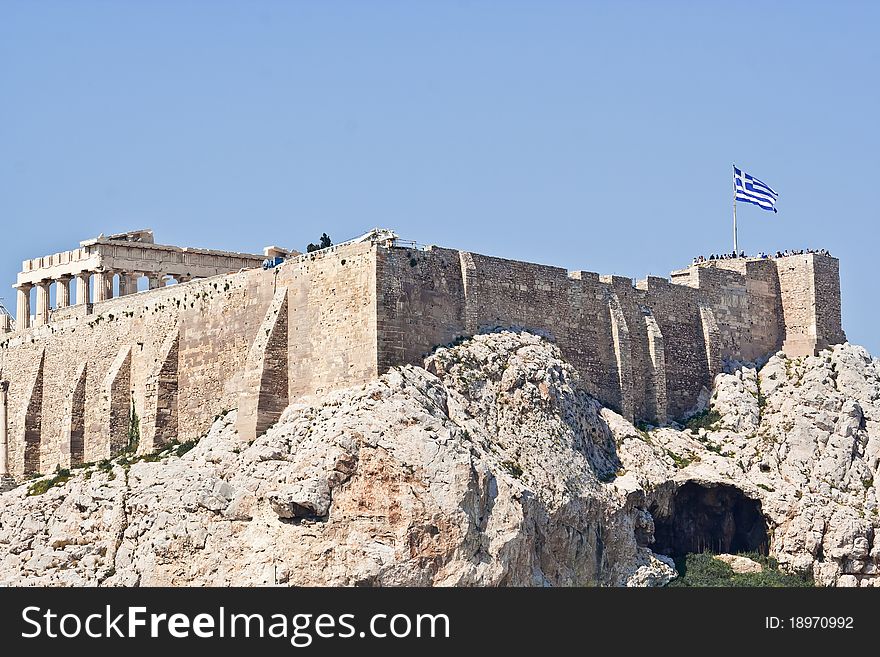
x=735, y=250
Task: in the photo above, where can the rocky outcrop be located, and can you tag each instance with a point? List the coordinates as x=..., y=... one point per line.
x=818, y=449
x=489, y=466
x=802, y=437
x=740, y=564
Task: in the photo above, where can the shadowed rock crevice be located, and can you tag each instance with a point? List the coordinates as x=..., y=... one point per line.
x=719, y=519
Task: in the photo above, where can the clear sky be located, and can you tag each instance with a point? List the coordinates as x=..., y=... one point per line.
x=589, y=135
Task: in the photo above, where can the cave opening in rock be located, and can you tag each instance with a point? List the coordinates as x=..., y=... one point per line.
x=709, y=518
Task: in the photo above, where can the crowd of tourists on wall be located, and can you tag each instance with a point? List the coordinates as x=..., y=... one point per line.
x=742, y=254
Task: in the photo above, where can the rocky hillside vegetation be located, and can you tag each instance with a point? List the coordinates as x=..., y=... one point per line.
x=490, y=466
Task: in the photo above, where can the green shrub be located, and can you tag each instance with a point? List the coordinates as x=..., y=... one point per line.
x=644, y=430
x=680, y=462
x=513, y=468
x=709, y=420
x=762, y=400
x=183, y=448
x=41, y=486
x=324, y=242
x=703, y=569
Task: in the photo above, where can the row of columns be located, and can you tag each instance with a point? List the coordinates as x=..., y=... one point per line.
x=128, y=282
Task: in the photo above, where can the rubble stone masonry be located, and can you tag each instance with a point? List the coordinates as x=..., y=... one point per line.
x=176, y=357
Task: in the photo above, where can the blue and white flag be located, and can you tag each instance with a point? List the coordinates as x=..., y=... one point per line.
x=752, y=190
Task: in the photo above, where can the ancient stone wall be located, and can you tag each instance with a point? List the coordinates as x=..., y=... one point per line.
x=826, y=277
x=159, y=354
x=688, y=353
x=218, y=322
x=332, y=318
x=419, y=302
x=810, y=302
x=600, y=324
x=648, y=350
x=256, y=340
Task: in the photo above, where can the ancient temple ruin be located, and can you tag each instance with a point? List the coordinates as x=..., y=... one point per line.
x=125, y=257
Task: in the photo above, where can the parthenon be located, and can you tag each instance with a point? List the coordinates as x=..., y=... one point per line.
x=129, y=256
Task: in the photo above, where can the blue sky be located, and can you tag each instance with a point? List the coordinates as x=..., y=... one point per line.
x=590, y=135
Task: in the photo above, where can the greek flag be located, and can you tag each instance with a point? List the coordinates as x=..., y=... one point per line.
x=752, y=190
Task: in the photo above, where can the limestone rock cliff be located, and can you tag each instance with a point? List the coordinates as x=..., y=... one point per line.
x=489, y=466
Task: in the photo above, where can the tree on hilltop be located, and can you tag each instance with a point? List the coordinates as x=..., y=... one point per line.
x=324, y=243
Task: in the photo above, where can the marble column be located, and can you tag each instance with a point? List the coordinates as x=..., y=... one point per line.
x=5, y=323
x=62, y=292
x=100, y=288
x=103, y=286
x=128, y=283
x=23, y=307
x=42, y=314
x=108, y=282
x=155, y=281
x=83, y=294
x=4, y=438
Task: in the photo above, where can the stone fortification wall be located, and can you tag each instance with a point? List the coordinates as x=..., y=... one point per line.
x=649, y=350
x=810, y=302
x=641, y=351
x=332, y=319
x=165, y=354
x=257, y=340
x=176, y=357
